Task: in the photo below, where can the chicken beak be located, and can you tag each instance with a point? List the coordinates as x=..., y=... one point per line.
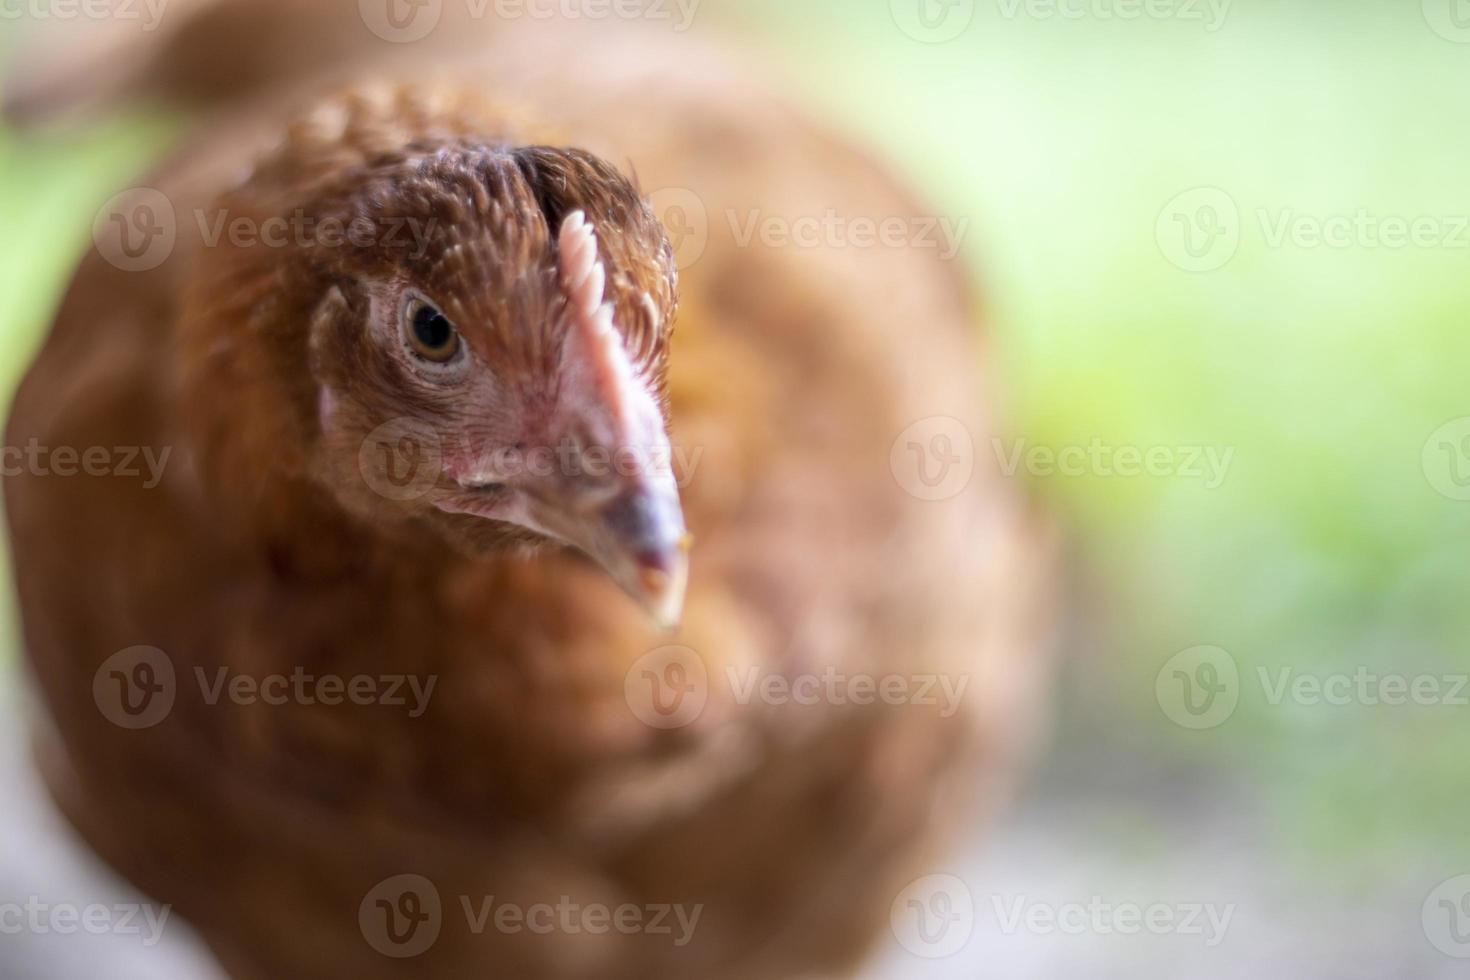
x=638, y=538
x=646, y=551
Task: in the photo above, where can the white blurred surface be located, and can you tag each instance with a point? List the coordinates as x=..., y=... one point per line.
x=44, y=866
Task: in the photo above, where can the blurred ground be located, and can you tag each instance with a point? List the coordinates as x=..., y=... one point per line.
x=43, y=863
x=1075, y=836
x=1141, y=195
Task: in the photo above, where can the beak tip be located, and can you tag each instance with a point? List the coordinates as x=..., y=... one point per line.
x=641, y=542
x=661, y=589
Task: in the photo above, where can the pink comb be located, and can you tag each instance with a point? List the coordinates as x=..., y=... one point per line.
x=584, y=280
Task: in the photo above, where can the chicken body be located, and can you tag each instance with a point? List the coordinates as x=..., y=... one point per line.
x=529, y=763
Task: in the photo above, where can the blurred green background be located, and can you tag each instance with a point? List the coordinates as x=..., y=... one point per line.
x=1327, y=548
x=1326, y=369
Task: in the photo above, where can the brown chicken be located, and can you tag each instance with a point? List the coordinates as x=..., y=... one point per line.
x=381, y=648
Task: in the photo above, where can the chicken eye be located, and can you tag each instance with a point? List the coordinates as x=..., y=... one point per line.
x=432, y=335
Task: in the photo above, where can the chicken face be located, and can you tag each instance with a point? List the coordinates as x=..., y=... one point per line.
x=499, y=374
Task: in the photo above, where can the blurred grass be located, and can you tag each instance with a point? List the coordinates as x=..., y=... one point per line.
x=1324, y=369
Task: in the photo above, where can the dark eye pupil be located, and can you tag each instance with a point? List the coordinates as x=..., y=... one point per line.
x=431, y=328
